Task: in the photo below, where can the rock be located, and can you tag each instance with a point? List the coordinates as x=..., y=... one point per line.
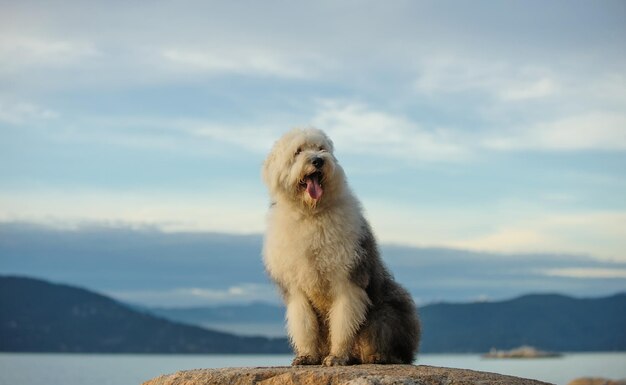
x=596, y=381
x=339, y=375
x=521, y=352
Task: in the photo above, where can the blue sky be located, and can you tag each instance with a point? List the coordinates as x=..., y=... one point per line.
x=486, y=126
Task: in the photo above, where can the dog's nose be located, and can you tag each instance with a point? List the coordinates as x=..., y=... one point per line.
x=318, y=162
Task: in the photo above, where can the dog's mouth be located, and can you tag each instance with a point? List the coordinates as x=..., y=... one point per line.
x=313, y=185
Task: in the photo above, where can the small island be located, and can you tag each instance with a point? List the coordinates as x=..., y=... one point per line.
x=521, y=352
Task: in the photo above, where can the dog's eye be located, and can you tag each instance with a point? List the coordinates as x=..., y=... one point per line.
x=321, y=148
x=298, y=151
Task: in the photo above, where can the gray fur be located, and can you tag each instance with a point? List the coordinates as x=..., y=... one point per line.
x=391, y=331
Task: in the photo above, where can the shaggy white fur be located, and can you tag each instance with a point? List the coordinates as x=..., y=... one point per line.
x=314, y=250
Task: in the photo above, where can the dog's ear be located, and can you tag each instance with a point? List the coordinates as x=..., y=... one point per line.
x=329, y=143
x=266, y=172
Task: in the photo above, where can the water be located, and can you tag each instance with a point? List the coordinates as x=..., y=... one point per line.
x=133, y=369
x=559, y=370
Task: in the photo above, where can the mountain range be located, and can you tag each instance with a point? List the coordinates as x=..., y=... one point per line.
x=39, y=316
x=550, y=321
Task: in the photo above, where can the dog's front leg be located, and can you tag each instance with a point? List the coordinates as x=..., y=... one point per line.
x=347, y=313
x=303, y=329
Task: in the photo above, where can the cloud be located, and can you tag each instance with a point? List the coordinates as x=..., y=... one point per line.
x=573, y=126
x=229, y=209
x=587, y=273
x=246, y=292
x=21, y=52
x=356, y=128
x=526, y=106
x=19, y=113
x=243, y=293
x=446, y=74
x=534, y=89
x=605, y=131
x=508, y=240
x=201, y=43
x=501, y=227
x=258, y=139
x=359, y=129
x=239, y=61
x=601, y=234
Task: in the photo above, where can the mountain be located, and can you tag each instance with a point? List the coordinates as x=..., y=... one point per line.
x=38, y=316
x=549, y=321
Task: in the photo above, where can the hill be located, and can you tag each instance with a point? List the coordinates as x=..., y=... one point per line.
x=38, y=316
x=548, y=321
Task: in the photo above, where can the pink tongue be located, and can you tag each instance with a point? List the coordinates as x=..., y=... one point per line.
x=313, y=188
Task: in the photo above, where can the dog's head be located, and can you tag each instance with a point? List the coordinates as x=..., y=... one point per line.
x=301, y=168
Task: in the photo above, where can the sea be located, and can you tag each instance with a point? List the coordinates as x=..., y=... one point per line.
x=134, y=369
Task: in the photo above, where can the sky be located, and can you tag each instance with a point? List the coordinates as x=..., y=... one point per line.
x=484, y=126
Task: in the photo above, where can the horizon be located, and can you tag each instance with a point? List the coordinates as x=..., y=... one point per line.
x=281, y=305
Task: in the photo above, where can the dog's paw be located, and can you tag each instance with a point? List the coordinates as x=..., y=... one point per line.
x=305, y=360
x=374, y=359
x=335, y=361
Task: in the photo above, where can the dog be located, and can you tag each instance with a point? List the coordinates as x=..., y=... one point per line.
x=343, y=305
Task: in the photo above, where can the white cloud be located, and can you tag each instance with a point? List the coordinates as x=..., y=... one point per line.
x=20, y=52
x=200, y=296
x=601, y=234
x=252, y=61
x=502, y=227
x=232, y=208
x=588, y=131
x=509, y=240
x=243, y=292
x=359, y=129
x=356, y=128
x=18, y=113
x=443, y=74
x=532, y=107
x=257, y=139
x=586, y=273
x=609, y=90
x=533, y=89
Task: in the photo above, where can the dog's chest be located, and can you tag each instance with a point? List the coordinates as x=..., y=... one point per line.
x=311, y=254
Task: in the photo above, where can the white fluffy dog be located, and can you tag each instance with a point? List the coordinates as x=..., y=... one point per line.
x=343, y=306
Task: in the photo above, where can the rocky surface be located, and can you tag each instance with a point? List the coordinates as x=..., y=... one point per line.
x=345, y=375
